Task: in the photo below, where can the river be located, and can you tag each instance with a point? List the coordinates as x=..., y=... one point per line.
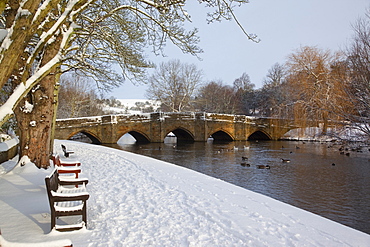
x=317, y=177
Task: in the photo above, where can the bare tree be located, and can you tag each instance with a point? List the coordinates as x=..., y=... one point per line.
x=216, y=97
x=273, y=99
x=243, y=83
x=77, y=98
x=244, y=94
x=275, y=76
x=173, y=84
x=358, y=91
x=315, y=88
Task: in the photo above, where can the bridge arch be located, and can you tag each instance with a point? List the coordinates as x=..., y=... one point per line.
x=259, y=135
x=221, y=135
x=182, y=134
x=94, y=139
x=139, y=136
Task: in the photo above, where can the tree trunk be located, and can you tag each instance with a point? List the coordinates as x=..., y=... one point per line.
x=36, y=122
x=35, y=126
x=325, y=119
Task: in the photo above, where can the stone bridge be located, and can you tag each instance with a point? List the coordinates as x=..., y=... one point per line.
x=188, y=127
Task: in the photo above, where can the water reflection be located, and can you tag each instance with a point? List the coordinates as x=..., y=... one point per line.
x=317, y=178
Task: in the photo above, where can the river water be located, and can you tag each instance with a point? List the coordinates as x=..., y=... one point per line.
x=318, y=178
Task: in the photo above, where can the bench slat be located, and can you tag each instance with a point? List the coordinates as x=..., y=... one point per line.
x=69, y=227
x=68, y=206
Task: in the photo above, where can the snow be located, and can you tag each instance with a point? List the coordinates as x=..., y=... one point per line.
x=27, y=108
x=333, y=134
x=140, y=201
x=58, y=243
x=6, y=41
x=33, y=123
x=3, y=138
x=127, y=104
x=40, y=9
x=8, y=144
x=5, y=146
x=24, y=12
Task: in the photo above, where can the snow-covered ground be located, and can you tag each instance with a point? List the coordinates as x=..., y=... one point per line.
x=140, y=201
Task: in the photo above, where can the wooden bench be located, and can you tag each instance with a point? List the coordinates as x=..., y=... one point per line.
x=65, y=151
x=66, y=200
x=66, y=167
x=57, y=161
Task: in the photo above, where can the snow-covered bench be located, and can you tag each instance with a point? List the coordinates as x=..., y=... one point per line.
x=66, y=167
x=66, y=199
x=66, y=152
x=70, y=162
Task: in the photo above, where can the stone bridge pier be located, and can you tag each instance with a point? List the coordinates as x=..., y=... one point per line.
x=188, y=127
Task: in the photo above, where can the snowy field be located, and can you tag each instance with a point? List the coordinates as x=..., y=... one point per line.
x=140, y=201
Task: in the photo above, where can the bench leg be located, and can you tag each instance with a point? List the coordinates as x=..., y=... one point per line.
x=84, y=217
x=52, y=219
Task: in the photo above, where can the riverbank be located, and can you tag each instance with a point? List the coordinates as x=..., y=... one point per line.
x=339, y=134
x=139, y=201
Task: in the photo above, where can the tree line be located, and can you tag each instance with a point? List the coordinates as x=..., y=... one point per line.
x=313, y=84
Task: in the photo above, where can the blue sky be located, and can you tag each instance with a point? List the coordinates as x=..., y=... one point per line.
x=283, y=26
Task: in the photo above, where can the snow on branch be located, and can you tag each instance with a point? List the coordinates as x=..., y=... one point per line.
x=6, y=110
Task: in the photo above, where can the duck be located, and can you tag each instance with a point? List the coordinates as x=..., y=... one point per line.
x=236, y=149
x=245, y=164
x=263, y=166
x=285, y=160
x=244, y=158
x=246, y=148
